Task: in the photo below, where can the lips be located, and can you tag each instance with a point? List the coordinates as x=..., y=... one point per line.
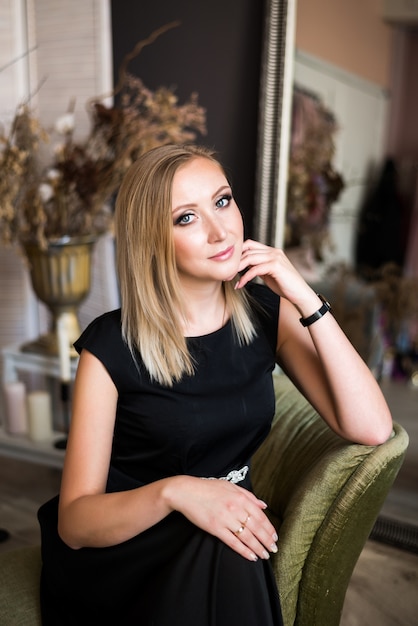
x=224, y=255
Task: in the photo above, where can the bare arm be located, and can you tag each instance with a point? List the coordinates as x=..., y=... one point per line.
x=90, y=517
x=319, y=358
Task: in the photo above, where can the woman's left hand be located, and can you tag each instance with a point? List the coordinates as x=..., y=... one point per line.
x=273, y=266
x=343, y=389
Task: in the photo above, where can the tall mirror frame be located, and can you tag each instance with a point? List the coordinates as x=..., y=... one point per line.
x=274, y=126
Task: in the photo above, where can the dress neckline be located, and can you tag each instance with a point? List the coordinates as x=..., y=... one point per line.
x=212, y=334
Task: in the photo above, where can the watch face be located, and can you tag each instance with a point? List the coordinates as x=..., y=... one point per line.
x=324, y=300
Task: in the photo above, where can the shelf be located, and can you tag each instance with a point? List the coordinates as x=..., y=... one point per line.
x=14, y=360
x=21, y=447
x=24, y=449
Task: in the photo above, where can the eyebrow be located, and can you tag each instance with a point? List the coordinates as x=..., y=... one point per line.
x=193, y=204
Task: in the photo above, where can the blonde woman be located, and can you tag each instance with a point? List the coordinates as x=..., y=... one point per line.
x=157, y=524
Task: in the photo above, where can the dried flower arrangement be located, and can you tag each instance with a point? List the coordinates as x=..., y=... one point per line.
x=394, y=297
x=398, y=298
x=69, y=194
x=313, y=183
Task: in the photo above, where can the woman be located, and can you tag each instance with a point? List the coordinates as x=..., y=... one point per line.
x=175, y=388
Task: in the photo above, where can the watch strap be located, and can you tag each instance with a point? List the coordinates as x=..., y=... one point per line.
x=307, y=321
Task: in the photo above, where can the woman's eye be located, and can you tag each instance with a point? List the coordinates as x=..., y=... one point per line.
x=187, y=218
x=224, y=201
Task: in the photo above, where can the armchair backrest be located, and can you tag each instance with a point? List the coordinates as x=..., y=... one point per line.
x=324, y=495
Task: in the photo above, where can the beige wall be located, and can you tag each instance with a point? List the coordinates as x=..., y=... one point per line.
x=347, y=33
x=73, y=56
x=405, y=132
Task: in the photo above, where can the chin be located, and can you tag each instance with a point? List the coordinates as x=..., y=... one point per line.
x=231, y=278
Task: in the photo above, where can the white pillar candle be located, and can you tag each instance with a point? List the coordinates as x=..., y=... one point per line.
x=39, y=416
x=64, y=349
x=16, y=421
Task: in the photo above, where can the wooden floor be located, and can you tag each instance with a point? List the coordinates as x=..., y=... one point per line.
x=384, y=587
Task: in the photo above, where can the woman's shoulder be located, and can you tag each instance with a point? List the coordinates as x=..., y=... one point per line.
x=108, y=319
x=103, y=338
x=106, y=326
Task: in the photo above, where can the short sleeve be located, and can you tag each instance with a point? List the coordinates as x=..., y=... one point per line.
x=103, y=338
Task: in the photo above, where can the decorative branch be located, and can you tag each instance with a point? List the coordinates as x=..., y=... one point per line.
x=137, y=49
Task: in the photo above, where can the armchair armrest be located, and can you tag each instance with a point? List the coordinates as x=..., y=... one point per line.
x=324, y=495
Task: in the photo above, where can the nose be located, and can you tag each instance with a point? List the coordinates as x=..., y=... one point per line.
x=216, y=229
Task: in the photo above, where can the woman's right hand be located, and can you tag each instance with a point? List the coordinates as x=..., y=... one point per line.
x=89, y=517
x=227, y=511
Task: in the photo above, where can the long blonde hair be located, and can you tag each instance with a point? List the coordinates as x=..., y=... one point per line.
x=152, y=308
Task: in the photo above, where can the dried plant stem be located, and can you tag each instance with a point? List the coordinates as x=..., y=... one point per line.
x=18, y=58
x=139, y=46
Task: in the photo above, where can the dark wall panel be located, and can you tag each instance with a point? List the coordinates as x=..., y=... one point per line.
x=216, y=52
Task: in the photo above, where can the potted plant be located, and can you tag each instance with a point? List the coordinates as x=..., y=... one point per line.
x=56, y=193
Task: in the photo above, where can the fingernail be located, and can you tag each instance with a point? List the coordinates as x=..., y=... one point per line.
x=266, y=555
x=273, y=548
x=275, y=537
x=263, y=504
x=236, y=285
x=254, y=557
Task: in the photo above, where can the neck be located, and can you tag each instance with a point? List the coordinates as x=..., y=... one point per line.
x=205, y=311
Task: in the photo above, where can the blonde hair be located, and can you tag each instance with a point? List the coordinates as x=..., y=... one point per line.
x=152, y=308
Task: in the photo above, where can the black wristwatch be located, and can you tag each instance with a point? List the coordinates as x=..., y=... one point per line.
x=307, y=321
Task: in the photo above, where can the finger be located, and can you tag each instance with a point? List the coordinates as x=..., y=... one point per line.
x=252, y=272
x=260, y=534
x=245, y=254
x=255, y=257
x=233, y=542
x=247, y=519
x=251, y=244
x=260, y=525
x=252, y=547
x=245, y=544
x=258, y=547
x=257, y=533
x=250, y=499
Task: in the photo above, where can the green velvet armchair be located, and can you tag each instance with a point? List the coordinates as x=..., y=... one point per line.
x=324, y=496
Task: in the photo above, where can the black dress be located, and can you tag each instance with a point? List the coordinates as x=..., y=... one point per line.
x=207, y=425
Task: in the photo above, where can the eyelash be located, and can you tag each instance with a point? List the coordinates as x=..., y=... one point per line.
x=227, y=197
x=179, y=220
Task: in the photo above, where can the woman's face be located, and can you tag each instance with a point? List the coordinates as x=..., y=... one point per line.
x=207, y=224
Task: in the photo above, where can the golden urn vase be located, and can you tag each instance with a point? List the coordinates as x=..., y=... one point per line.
x=61, y=279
